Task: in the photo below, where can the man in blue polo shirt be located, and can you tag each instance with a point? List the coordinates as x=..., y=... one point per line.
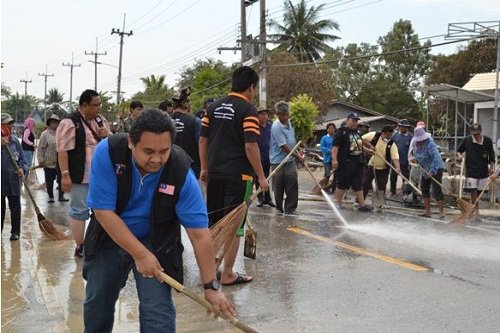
x=282, y=142
x=141, y=190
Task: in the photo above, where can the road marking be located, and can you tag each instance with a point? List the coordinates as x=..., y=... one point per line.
x=360, y=250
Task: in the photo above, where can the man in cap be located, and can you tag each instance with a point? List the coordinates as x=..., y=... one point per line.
x=47, y=157
x=11, y=175
x=264, y=141
x=477, y=149
x=363, y=127
x=348, y=159
x=402, y=139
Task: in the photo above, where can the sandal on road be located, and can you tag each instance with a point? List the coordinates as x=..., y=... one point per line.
x=425, y=215
x=240, y=279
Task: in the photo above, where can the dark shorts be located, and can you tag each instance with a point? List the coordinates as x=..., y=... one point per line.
x=224, y=195
x=350, y=175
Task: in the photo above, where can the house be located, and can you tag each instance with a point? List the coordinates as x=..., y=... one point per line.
x=483, y=111
x=339, y=110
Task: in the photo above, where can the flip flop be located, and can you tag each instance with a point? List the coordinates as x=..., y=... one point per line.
x=425, y=215
x=240, y=279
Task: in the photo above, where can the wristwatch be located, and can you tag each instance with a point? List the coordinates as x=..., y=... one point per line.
x=214, y=285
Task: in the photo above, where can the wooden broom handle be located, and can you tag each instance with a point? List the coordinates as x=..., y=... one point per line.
x=252, y=198
x=399, y=173
x=203, y=302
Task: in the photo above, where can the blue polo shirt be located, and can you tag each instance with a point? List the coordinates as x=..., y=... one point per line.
x=103, y=184
x=281, y=135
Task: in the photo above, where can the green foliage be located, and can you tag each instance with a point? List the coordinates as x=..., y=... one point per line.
x=18, y=106
x=39, y=127
x=479, y=56
x=54, y=96
x=285, y=82
x=107, y=107
x=6, y=91
x=208, y=79
x=303, y=113
x=156, y=91
x=302, y=33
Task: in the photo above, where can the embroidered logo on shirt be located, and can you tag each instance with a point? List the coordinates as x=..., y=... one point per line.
x=120, y=169
x=167, y=189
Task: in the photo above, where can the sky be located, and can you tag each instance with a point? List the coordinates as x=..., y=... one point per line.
x=37, y=37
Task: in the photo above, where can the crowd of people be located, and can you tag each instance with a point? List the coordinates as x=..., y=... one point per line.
x=138, y=182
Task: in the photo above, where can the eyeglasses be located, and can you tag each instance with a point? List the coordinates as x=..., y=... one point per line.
x=96, y=104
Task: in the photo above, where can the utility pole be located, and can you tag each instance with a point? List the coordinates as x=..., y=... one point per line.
x=121, y=33
x=95, y=54
x=484, y=29
x=45, y=75
x=25, y=81
x=263, y=55
x=71, y=80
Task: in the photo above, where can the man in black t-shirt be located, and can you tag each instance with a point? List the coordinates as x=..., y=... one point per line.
x=229, y=156
x=187, y=127
x=479, y=161
x=347, y=158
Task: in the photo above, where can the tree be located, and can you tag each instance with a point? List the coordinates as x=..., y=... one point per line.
x=285, y=82
x=6, y=91
x=352, y=70
x=208, y=79
x=54, y=96
x=479, y=56
x=302, y=33
x=156, y=91
x=18, y=106
x=303, y=113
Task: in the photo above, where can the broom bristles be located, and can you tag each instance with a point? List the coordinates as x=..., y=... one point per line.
x=224, y=231
x=50, y=230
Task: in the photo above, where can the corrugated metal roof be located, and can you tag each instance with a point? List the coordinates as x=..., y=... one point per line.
x=338, y=122
x=481, y=81
x=456, y=93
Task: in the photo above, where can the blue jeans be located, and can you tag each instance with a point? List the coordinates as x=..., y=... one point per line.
x=106, y=275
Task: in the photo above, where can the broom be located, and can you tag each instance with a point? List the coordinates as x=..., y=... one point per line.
x=203, y=302
x=225, y=229
x=47, y=227
x=462, y=204
x=400, y=174
x=471, y=210
x=322, y=184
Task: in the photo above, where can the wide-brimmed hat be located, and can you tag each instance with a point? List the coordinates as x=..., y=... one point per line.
x=6, y=118
x=404, y=123
x=420, y=134
x=52, y=117
x=364, y=124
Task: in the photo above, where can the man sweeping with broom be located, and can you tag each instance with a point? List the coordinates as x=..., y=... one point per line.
x=229, y=155
x=142, y=189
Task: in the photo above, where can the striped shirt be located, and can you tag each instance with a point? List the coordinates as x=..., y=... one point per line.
x=65, y=139
x=47, y=152
x=229, y=123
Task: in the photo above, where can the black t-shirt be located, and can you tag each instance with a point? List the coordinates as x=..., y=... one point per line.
x=350, y=146
x=186, y=137
x=477, y=157
x=230, y=122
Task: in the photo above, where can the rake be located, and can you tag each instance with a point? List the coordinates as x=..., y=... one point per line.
x=46, y=226
x=224, y=231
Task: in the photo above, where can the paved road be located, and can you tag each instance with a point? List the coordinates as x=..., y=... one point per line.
x=384, y=272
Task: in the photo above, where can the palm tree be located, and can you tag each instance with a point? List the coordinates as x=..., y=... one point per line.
x=302, y=33
x=54, y=96
x=156, y=91
x=153, y=83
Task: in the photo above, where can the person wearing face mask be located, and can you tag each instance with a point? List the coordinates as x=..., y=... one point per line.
x=377, y=167
x=402, y=140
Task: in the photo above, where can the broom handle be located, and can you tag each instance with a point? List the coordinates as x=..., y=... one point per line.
x=399, y=173
x=484, y=189
x=312, y=176
x=203, y=302
x=440, y=184
x=461, y=181
x=252, y=198
x=13, y=160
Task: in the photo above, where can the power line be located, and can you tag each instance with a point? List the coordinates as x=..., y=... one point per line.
x=95, y=54
x=121, y=34
x=71, y=80
x=45, y=75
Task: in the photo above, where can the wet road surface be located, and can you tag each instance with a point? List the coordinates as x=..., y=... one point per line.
x=383, y=272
